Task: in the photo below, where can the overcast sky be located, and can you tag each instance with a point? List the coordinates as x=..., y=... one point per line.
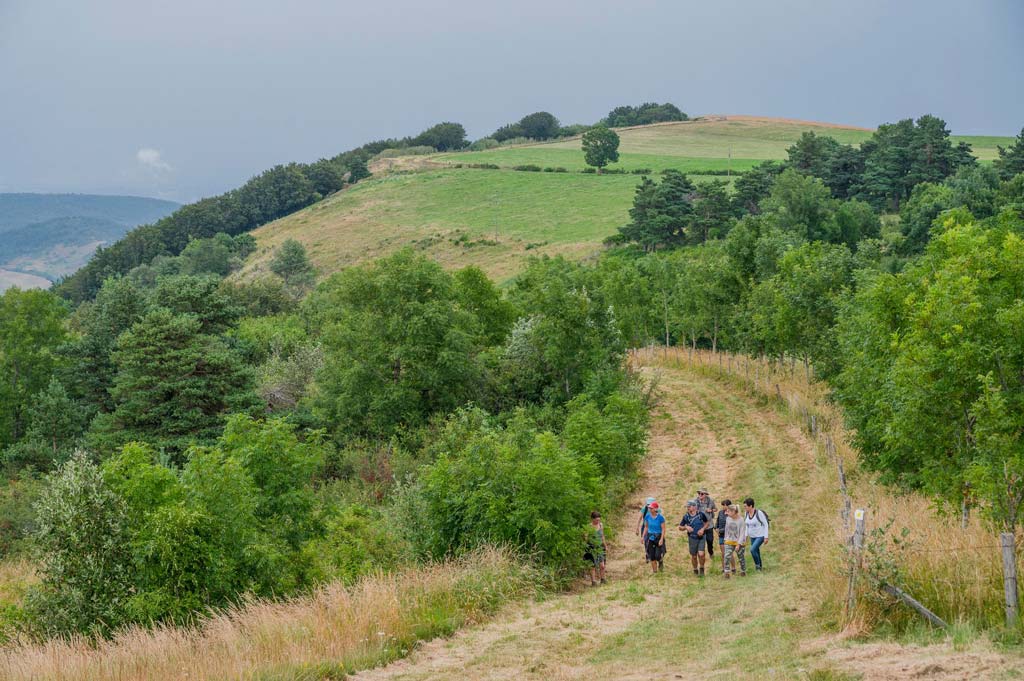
x=187, y=98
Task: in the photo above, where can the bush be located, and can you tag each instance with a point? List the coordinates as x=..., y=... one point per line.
x=419, y=150
x=484, y=144
x=512, y=141
x=86, y=561
x=528, y=167
x=513, y=486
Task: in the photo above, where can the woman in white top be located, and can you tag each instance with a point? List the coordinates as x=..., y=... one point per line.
x=757, y=531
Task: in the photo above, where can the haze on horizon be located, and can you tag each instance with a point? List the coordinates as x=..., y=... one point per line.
x=186, y=99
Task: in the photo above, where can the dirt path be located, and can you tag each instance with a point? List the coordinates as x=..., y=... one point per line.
x=675, y=625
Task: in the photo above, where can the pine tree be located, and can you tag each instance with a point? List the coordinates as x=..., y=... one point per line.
x=1011, y=159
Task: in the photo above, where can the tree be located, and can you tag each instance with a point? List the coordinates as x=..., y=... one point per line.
x=291, y=263
x=540, y=125
x=174, y=385
x=327, y=176
x=31, y=329
x=600, y=147
x=856, y=220
x=926, y=202
x=398, y=346
x=86, y=560
x=277, y=192
x=358, y=170
x=712, y=212
x=478, y=295
x=1011, y=158
x=55, y=424
x=662, y=213
x=753, y=186
x=443, y=137
x=645, y=114
x=802, y=205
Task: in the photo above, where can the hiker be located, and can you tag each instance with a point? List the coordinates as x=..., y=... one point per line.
x=695, y=523
x=735, y=541
x=757, y=531
x=723, y=515
x=597, y=550
x=706, y=505
x=654, y=537
x=641, y=526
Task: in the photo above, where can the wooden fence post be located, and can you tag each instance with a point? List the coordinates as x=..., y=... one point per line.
x=857, y=543
x=1009, y=577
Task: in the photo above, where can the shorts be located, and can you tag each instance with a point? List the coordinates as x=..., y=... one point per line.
x=655, y=551
x=697, y=544
x=595, y=556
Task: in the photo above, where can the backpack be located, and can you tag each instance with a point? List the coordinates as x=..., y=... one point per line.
x=767, y=520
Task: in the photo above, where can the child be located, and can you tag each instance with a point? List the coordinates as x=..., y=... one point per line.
x=735, y=541
x=596, y=549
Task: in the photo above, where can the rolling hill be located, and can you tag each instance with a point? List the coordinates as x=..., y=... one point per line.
x=46, y=236
x=496, y=217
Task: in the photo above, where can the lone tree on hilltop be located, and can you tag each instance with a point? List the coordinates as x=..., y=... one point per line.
x=600, y=147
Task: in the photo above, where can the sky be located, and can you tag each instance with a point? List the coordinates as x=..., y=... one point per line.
x=182, y=99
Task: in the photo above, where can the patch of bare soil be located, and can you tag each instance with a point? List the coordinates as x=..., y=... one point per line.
x=894, y=662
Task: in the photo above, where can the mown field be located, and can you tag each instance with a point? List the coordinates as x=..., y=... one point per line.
x=496, y=218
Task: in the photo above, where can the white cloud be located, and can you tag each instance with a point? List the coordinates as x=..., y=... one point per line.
x=150, y=158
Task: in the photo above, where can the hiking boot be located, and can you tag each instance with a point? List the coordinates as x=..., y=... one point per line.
x=695, y=571
x=743, y=574
x=603, y=581
x=661, y=566
x=727, y=575
x=702, y=572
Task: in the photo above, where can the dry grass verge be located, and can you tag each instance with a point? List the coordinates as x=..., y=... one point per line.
x=322, y=636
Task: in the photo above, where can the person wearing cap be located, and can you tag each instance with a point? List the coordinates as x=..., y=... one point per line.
x=641, y=525
x=706, y=505
x=654, y=537
x=695, y=523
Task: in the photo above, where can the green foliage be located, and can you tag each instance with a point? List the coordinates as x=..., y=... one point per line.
x=86, y=559
x=291, y=263
x=443, y=137
x=926, y=202
x=644, y=114
x=802, y=205
x=600, y=147
x=538, y=126
x=511, y=485
x=477, y=294
x=174, y=385
x=662, y=214
x=31, y=329
x=357, y=170
x=398, y=346
x=55, y=424
x=915, y=345
x=1011, y=158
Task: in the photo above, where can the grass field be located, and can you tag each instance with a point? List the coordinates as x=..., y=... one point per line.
x=496, y=218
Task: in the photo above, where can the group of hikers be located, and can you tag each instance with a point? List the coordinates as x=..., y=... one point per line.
x=702, y=520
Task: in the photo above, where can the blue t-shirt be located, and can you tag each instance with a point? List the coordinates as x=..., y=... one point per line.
x=694, y=521
x=655, y=523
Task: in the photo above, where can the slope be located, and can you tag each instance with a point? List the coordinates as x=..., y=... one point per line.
x=495, y=218
x=675, y=625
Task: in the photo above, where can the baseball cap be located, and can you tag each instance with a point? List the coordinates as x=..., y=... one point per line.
x=650, y=500
x=691, y=502
x=654, y=506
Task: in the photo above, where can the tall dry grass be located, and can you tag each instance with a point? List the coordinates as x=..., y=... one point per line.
x=955, y=572
x=323, y=636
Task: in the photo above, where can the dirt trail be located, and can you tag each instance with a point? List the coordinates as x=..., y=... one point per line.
x=675, y=625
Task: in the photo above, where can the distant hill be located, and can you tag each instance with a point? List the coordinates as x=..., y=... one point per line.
x=46, y=236
x=495, y=218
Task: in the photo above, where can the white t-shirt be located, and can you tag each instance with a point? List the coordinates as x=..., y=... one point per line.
x=757, y=526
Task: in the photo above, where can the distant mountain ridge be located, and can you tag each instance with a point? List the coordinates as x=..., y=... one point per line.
x=46, y=236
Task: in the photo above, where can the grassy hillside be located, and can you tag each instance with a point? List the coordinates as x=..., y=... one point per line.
x=46, y=236
x=495, y=218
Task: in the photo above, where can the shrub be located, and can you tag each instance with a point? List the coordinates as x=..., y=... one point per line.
x=528, y=167
x=86, y=560
x=511, y=485
x=512, y=141
x=484, y=144
x=419, y=150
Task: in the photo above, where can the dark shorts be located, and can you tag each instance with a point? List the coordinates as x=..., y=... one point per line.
x=697, y=544
x=655, y=551
x=595, y=556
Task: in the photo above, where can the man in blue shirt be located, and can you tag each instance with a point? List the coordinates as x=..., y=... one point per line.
x=654, y=540
x=695, y=523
